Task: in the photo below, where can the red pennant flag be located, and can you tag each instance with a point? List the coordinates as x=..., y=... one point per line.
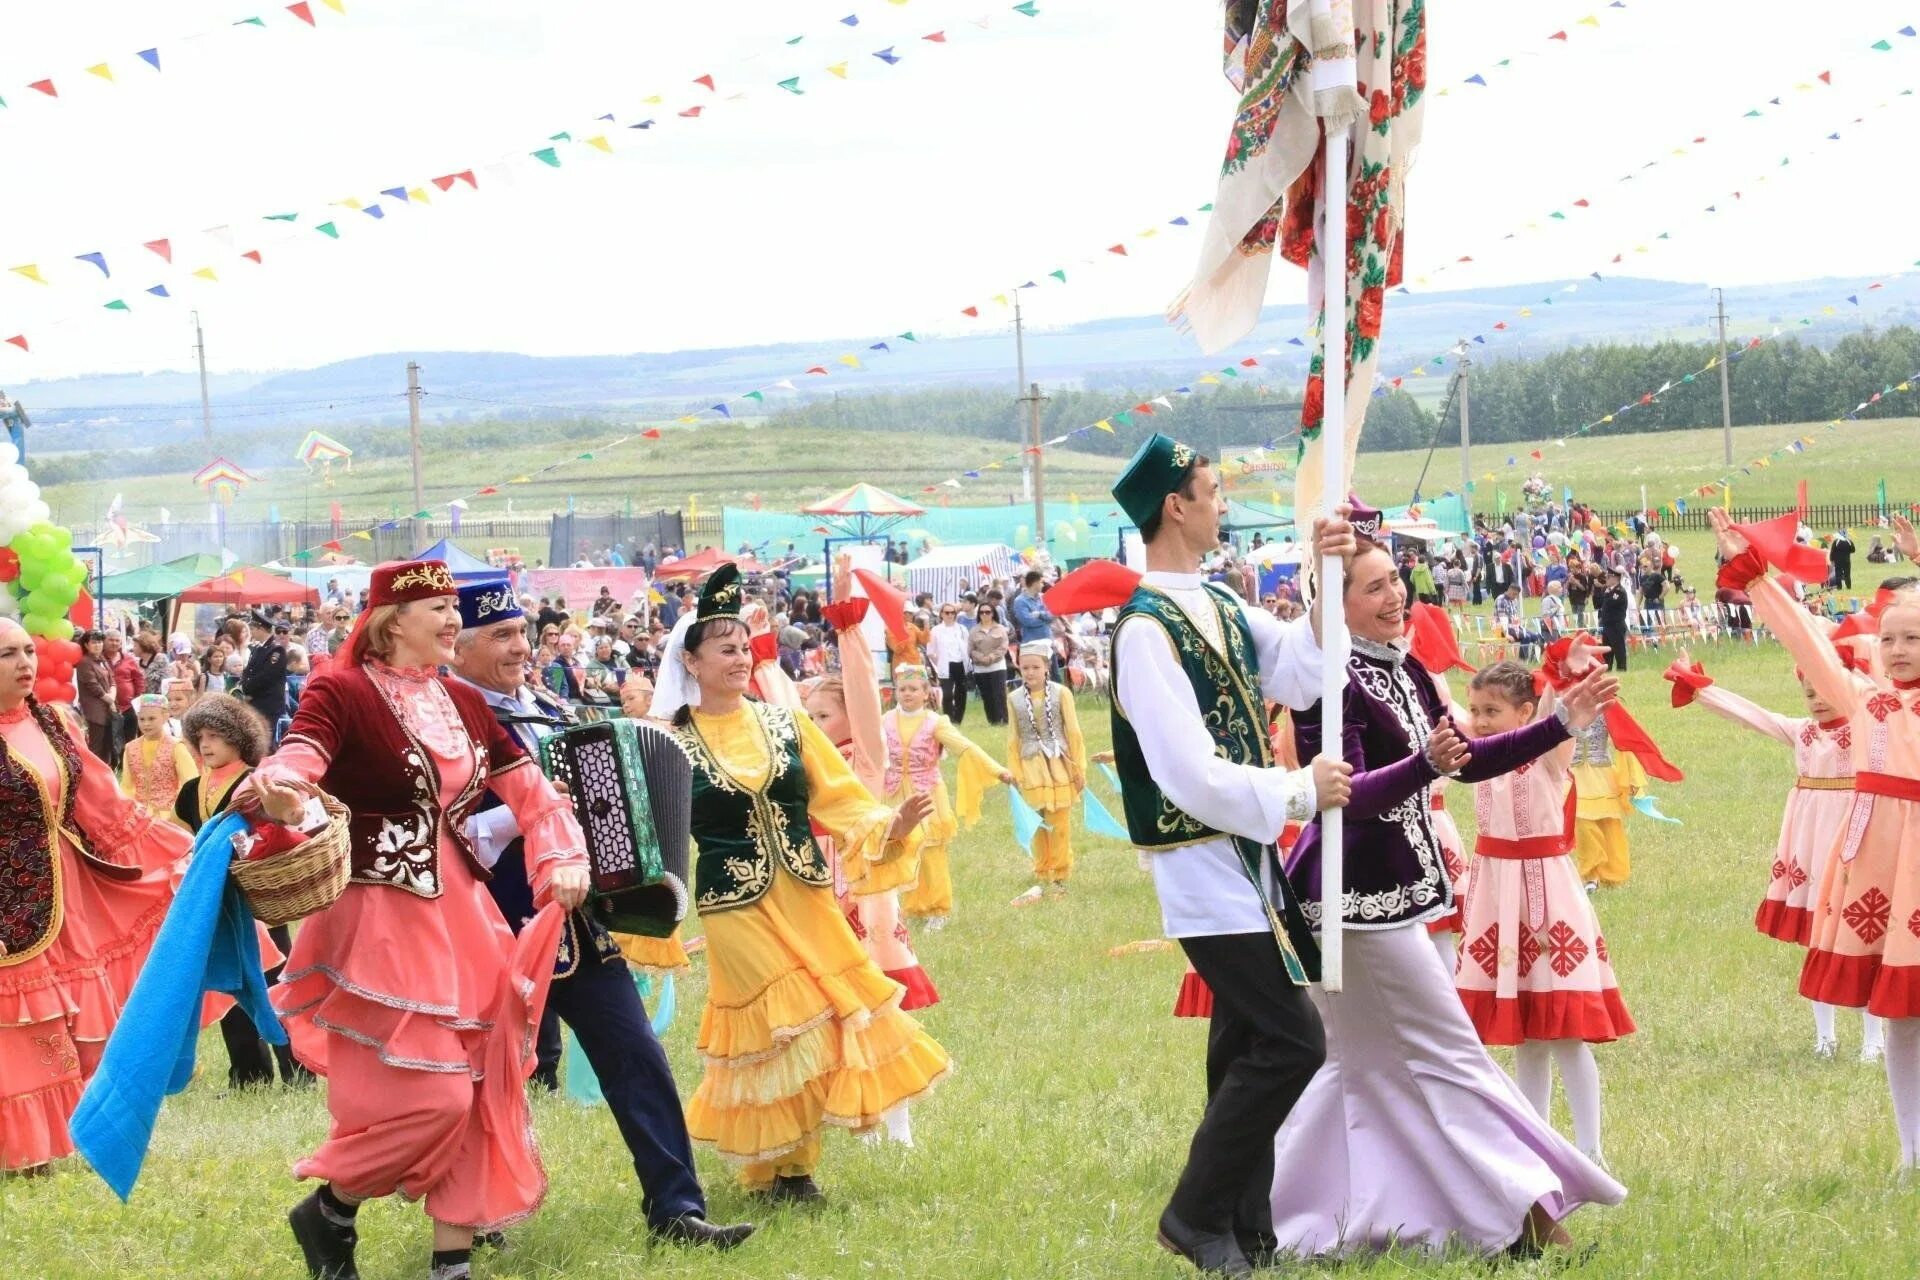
x=1800, y=500
x=1120, y=249
x=691, y=113
x=651, y=433
x=332, y=546
x=1628, y=736
x=1464, y=258
x=1142, y=408
x=970, y=311
x=1535, y=455
x=1773, y=541
x=819, y=369
x=254, y=254
x=1558, y=35
x=1502, y=324
x=161, y=247
x=706, y=80
x=938, y=37
x=46, y=87
x=302, y=11
x=1249, y=363
x=1616, y=257
x=1581, y=204
x=444, y=182
x=19, y=340
x=1432, y=639
x=1647, y=399
x=1826, y=77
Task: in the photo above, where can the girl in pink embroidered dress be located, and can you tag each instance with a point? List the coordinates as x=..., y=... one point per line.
x=1864, y=949
x=1816, y=812
x=410, y=995
x=1534, y=972
x=85, y=877
x=917, y=737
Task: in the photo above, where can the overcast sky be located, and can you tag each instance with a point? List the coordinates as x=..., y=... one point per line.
x=881, y=202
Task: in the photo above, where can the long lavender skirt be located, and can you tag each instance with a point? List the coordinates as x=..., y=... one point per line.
x=1410, y=1134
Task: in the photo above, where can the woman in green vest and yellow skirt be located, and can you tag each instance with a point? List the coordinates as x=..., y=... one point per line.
x=800, y=1030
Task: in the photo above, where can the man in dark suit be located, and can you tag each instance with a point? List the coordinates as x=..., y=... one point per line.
x=1610, y=603
x=592, y=992
x=263, y=682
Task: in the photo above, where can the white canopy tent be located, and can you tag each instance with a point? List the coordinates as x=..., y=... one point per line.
x=946, y=572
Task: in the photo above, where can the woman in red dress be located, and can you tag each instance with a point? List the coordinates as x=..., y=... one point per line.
x=409, y=994
x=85, y=877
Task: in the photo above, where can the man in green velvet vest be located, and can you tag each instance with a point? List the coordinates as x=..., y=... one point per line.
x=1193, y=669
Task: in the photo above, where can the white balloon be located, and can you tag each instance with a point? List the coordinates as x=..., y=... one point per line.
x=9, y=607
x=7, y=452
x=38, y=512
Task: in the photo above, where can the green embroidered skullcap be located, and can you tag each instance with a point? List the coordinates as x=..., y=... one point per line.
x=1158, y=469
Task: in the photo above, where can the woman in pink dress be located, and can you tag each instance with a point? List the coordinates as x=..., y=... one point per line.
x=409, y=994
x=1817, y=809
x=1864, y=950
x=85, y=877
x=1535, y=972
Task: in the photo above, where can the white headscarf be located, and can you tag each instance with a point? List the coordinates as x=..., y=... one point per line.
x=675, y=687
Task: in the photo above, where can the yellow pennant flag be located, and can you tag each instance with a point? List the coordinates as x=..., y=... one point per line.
x=1273, y=496
x=991, y=466
x=1105, y=426
x=1207, y=377
x=852, y=362
x=335, y=5
x=839, y=69
x=1148, y=234
x=1589, y=21
x=350, y=202
x=1000, y=298
x=418, y=195
x=102, y=70
x=364, y=536
x=32, y=272
x=600, y=143
x=1608, y=418
x=654, y=101
x=1419, y=371
x=237, y=576
x=693, y=506
x=1525, y=312
x=1903, y=386
x=1826, y=311
x=206, y=273
x=1726, y=498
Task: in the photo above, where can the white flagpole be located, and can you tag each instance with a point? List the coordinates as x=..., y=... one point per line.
x=1333, y=489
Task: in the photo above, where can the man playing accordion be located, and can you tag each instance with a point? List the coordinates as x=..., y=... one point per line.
x=592, y=992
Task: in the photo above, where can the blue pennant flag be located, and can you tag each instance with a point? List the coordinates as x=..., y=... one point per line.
x=159, y=291
x=1646, y=805
x=887, y=55
x=1098, y=821
x=151, y=57
x=1026, y=819
x=398, y=193
x=1111, y=775
x=97, y=259
x=722, y=410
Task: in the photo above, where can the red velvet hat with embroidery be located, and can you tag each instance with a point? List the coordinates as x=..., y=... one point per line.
x=398, y=582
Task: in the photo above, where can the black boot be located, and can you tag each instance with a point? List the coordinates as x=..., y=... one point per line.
x=694, y=1229
x=1214, y=1253
x=327, y=1245
x=800, y=1189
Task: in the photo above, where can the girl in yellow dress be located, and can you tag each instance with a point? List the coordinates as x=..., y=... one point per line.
x=1606, y=781
x=916, y=738
x=1049, y=758
x=156, y=763
x=801, y=1030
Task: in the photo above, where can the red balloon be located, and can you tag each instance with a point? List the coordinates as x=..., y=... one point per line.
x=47, y=689
x=9, y=564
x=81, y=615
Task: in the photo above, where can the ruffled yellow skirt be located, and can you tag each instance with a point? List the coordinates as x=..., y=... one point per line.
x=1046, y=782
x=801, y=1030
x=654, y=955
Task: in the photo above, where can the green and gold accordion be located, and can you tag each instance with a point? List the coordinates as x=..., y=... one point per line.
x=632, y=790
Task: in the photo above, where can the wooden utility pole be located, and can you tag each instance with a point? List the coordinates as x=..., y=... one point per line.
x=413, y=428
x=206, y=405
x=1033, y=400
x=1726, y=393
x=1466, y=433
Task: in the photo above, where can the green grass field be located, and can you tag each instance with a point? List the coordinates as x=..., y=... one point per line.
x=726, y=463
x=1050, y=1151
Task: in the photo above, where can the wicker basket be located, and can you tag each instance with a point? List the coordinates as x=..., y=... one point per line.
x=304, y=880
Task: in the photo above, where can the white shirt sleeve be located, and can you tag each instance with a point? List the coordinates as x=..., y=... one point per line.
x=1158, y=700
x=491, y=832
x=1290, y=658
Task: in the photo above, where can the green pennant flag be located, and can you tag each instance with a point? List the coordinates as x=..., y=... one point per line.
x=1689, y=378
x=908, y=335
x=1027, y=7
x=283, y=217
x=328, y=230
x=796, y=40
x=303, y=555
x=1882, y=46
x=791, y=84
x=1750, y=115
x=1059, y=274
x=251, y=22
x=547, y=156
x=421, y=515
x=1557, y=214
x=562, y=136
x=1121, y=419
x=585, y=457
x=1206, y=208
x=1229, y=372
x=117, y=305
x=754, y=395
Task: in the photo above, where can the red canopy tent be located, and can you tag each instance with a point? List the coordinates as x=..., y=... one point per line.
x=697, y=565
x=861, y=511
x=245, y=584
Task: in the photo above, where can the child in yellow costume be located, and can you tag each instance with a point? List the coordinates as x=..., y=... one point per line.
x=916, y=738
x=156, y=763
x=1049, y=758
x=1605, y=783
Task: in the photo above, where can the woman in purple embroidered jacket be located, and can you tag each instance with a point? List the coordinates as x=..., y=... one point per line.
x=1410, y=1135
x=917, y=736
x=85, y=877
x=410, y=994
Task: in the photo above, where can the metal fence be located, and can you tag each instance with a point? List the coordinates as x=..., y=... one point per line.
x=1823, y=518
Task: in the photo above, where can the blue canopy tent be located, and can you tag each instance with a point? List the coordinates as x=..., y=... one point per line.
x=465, y=564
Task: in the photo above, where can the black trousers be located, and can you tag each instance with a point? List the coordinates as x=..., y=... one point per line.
x=1616, y=642
x=250, y=1060
x=953, y=691
x=1263, y=1046
x=598, y=1002
x=993, y=694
